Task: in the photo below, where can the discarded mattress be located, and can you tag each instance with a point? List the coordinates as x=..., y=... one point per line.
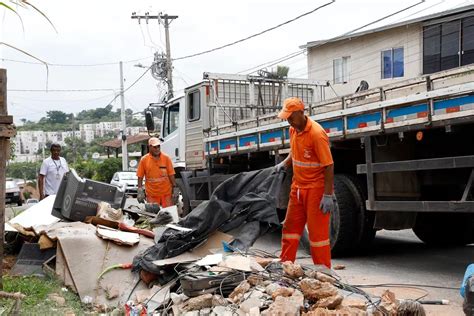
x=247, y=199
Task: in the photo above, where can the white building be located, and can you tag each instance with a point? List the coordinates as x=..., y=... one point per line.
x=395, y=52
x=29, y=143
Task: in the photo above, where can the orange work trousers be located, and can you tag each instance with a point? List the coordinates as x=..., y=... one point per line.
x=303, y=208
x=163, y=200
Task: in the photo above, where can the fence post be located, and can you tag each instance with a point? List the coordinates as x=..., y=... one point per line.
x=7, y=130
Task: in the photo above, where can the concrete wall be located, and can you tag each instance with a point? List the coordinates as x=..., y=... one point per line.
x=365, y=58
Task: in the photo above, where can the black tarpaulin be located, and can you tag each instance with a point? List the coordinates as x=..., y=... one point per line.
x=247, y=199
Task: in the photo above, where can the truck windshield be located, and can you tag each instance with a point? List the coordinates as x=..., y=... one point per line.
x=171, y=119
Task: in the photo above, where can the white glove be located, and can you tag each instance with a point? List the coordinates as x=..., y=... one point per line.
x=328, y=203
x=280, y=166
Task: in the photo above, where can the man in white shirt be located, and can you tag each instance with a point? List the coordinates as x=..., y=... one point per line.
x=52, y=170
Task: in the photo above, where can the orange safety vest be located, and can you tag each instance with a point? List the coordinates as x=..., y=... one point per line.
x=310, y=154
x=156, y=172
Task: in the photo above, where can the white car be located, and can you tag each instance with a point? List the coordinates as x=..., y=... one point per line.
x=31, y=201
x=127, y=180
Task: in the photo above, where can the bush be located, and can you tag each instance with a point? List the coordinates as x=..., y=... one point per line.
x=107, y=168
x=86, y=168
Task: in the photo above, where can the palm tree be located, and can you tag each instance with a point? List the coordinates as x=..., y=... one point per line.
x=24, y=4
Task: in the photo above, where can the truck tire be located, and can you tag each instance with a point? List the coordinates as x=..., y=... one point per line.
x=444, y=229
x=351, y=226
x=343, y=230
x=365, y=219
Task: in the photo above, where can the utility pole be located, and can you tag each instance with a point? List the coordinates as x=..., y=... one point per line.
x=74, y=145
x=124, y=124
x=167, y=19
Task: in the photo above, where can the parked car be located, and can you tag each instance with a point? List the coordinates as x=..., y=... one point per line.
x=31, y=201
x=13, y=193
x=127, y=180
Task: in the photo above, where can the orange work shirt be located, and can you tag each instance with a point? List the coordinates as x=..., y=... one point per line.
x=156, y=172
x=310, y=155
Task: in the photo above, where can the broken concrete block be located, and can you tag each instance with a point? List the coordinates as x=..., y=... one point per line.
x=255, y=279
x=264, y=262
x=330, y=302
x=354, y=302
x=283, y=291
x=178, y=298
x=345, y=310
x=292, y=270
x=247, y=305
x=298, y=298
x=272, y=288
x=315, y=289
x=388, y=303
x=197, y=303
x=254, y=311
x=282, y=306
x=323, y=277
x=255, y=294
x=222, y=311
x=218, y=300
x=239, y=291
x=205, y=312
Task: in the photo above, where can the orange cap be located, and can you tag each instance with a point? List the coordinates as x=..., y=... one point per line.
x=289, y=106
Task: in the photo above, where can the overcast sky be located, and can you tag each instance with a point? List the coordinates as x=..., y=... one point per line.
x=96, y=32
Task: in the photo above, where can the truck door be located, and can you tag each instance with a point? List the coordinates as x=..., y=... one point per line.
x=170, y=132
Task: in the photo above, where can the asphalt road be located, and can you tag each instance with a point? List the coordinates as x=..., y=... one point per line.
x=399, y=257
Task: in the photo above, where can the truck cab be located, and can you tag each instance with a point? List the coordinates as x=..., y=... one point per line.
x=172, y=131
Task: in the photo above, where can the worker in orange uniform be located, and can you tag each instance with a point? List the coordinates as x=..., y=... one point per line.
x=158, y=171
x=312, y=190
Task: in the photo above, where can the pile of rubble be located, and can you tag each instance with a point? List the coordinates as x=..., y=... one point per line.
x=271, y=288
x=212, y=278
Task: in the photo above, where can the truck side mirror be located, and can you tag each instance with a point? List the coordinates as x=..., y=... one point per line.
x=150, y=124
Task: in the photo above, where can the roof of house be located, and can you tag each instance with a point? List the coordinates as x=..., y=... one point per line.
x=117, y=143
x=390, y=26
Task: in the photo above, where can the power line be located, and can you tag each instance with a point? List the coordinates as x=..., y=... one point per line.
x=256, y=34
x=409, y=45
x=59, y=90
x=73, y=65
x=292, y=55
x=130, y=86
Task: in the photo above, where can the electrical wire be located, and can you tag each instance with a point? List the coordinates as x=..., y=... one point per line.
x=406, y=285
x=60, y=90
x=130, y=86
x=363, y=70
x=254, y=35
x=292, y=55
x=75, y=65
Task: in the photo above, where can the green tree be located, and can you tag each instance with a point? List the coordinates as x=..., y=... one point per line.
x=86, y=168
x=74, y=150
x=107, y=169
x=55, y=117
x=23, y=170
